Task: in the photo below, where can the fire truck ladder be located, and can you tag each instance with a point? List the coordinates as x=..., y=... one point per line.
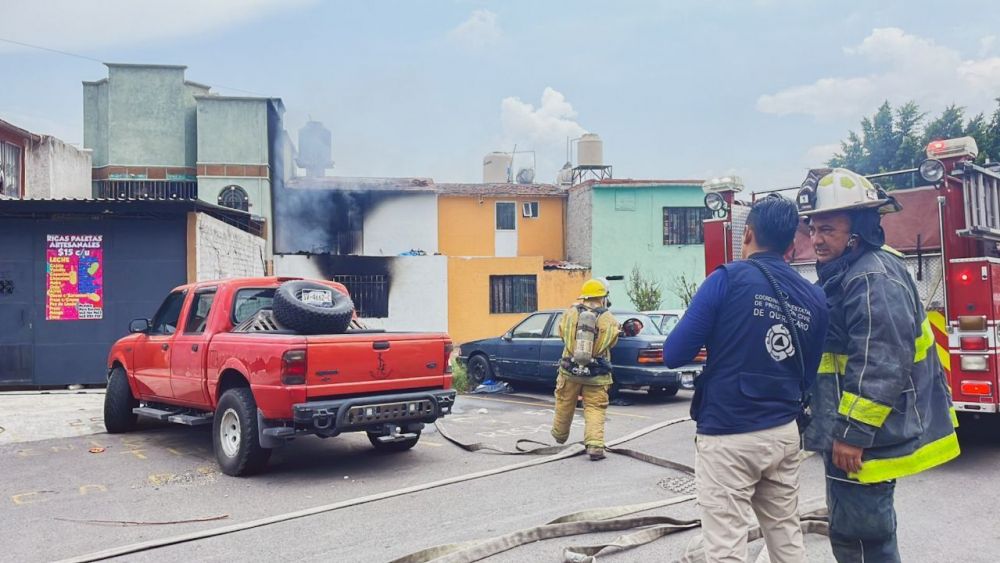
x=981, y=193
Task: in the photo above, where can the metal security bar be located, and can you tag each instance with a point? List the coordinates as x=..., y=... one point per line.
x=10, y=170
x=683, y=225
x=369, y=292
x=981, y=190
x=513, y=294
x=146, y=190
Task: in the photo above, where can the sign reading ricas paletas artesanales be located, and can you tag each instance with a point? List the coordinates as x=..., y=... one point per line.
x=74, y=277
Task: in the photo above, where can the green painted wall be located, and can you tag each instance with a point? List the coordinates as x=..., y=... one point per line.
x=628, y=231
x=232, y=130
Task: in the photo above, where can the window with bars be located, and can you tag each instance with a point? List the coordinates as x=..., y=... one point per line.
x=10, y=170
x=683, y=225
x=369, y=292
x=513, y=294
x=234, y=197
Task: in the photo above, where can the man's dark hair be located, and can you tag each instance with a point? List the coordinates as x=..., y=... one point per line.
x=774, y=220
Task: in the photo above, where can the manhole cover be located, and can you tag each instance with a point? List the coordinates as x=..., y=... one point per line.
x=680, y=485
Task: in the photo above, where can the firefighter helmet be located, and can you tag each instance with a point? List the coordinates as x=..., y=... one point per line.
x=593, y=289
x=840, y=189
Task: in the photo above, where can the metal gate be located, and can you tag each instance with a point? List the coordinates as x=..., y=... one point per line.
x=143, y=259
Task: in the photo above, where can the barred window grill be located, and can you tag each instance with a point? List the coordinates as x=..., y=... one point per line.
x=370, y=294
x=513, y=294
x=10, y=170
x=683, y=225
x=234, y=197
x=146, y=189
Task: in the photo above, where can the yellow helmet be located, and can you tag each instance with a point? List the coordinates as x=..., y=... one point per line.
x=593, y=289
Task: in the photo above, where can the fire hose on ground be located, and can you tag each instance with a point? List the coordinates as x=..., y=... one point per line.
x=589, y=521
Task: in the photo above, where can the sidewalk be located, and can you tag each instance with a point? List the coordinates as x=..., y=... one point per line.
x=28, y=416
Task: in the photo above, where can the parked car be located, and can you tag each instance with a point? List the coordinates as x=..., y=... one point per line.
x=666, y=320
x=265, y=360
x=531, y=351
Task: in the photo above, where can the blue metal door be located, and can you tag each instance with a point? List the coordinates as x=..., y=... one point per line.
x=17, y=303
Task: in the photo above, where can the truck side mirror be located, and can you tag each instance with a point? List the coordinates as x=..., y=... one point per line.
x=139, y=325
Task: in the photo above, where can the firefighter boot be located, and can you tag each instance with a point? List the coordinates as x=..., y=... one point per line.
x=596, y=453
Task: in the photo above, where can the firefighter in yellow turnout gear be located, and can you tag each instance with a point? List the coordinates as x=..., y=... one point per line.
x=589, y=331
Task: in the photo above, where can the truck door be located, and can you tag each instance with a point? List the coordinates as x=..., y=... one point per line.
x=190, y=350
x=152, y=350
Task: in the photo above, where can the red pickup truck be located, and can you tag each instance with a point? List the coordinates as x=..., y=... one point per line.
x=216, y=353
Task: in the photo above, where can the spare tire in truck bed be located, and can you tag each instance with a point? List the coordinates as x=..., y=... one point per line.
x=312, y=308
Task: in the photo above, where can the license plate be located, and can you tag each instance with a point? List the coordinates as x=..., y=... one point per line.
x=318, y=297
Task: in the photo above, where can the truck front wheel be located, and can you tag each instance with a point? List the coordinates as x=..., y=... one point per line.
x=237, y=446
x=118, y=404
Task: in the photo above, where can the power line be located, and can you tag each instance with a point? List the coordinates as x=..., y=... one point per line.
x=79, y=56
x=67, y=53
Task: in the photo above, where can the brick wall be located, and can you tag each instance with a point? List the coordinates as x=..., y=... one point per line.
x=222, y=251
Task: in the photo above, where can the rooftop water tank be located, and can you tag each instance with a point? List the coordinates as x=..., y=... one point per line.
x=496, y=168
x=590, y=151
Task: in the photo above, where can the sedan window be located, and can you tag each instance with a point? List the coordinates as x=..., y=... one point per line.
x=532, y=327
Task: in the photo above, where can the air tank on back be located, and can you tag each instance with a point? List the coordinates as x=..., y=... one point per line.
x=590, y=151
x=496, y=168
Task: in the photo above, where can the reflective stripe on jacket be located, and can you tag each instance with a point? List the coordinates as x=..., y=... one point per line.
x=879, y=385
x=604, y=340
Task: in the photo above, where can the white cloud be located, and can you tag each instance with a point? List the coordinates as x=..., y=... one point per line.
x=76, y=25
x=543, y=129
x=915, y=68
x=480, y=30
x=819, y=154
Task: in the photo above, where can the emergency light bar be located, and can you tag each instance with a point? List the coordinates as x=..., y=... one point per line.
x=724, y=184
x=951, y=148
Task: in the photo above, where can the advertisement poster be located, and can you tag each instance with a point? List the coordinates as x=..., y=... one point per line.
x=74, y=277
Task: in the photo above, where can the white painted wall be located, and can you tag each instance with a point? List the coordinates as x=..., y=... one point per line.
x=418, y=291
x=223, y=251
x=398, y=223
x=54, y=169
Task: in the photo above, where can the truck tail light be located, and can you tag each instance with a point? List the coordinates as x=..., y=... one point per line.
x=293, y=367
x=975, y=363
x=449, y=347
x=973, y=342
x=651, y=356
x=702, y=355
x=976, y=388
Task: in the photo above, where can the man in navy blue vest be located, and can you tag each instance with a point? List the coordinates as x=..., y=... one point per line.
x=750, y=394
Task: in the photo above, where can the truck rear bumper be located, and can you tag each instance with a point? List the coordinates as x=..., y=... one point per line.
x=333, y=417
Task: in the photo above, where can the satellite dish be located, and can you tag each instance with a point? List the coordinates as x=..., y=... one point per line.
x=525, y=176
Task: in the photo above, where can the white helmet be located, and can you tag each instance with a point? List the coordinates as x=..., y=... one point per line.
x=839, y=189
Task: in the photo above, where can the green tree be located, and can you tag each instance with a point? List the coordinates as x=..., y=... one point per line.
x=645, y=293
x=889, y=140
x=991, y=148
x=685, y=289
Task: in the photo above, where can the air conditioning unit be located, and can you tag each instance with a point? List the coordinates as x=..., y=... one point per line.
x=529, y=209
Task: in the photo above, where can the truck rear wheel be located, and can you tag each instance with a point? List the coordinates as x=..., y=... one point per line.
x=291, y=311
x=400, y=446
x=118, y=404
x=237, y=446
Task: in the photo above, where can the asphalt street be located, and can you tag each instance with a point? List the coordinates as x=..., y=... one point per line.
x=67, y=497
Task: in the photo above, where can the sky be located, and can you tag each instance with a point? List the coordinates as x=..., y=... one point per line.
x=682, y=89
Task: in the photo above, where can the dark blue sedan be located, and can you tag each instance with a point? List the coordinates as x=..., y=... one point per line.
x=531, y=351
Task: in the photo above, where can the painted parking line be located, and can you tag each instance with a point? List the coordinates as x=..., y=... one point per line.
x=544, y=404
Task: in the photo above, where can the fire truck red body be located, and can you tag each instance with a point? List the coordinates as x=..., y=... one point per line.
x=948, y=232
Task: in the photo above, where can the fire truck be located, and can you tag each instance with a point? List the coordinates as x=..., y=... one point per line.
x=949, y=235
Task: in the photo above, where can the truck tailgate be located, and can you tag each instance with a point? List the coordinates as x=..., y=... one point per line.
x=368, y=363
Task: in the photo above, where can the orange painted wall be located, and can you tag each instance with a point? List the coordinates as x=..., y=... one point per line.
x=469, y=315
x=466, y=227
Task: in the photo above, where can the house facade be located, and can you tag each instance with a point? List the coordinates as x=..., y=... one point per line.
x=653, y=225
